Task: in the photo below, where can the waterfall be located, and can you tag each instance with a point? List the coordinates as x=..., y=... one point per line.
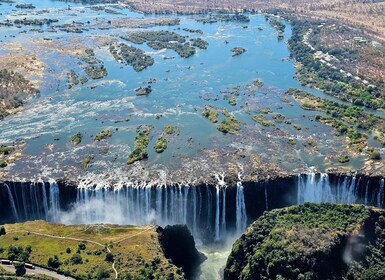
x=217, y=214
x=223, y=223
x=54, y=201
x=12, y=202
x=208, y=210
x=380, y=195
x=241, y=216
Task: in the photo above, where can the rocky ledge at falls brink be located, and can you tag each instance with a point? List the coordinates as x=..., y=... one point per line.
x=100, y=251
x=312, y=241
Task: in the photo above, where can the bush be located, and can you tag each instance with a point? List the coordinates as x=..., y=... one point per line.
x=54, y=262
x=20, y=269
x=76, y=259
x=109, y=257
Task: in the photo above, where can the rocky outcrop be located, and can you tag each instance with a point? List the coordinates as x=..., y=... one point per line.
x=179, y=246
x=312, y=241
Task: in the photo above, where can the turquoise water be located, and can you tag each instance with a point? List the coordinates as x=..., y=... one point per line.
x=178, y=98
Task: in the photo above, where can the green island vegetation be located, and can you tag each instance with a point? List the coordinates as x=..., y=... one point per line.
x=5, y=152
x=28, y=22
x=73, y=79
x=199, y=43
x=104, y=134
x=131, y=56
x=343, y=158
x=297, y=126
x=158, y=40
x=279, y=117
x=308, y=241
x=332, y=80
x=87, y=160
x=265, y=110
x=373, y=153
x=238, y=51
x=95, y=68
x=291, y=141
x=25, y=6
x=189, y=30
x=15, y=90
x=76, y=139
x=225, y=18
x=89, y=252
x=140, y=145
x=348, y=120
x=210, y=113
x=278, y=25
x=168, y=129
x=229, y=125
x=262, y=120
x=160, y=145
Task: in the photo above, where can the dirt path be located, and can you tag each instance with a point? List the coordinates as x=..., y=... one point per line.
x=40, y=270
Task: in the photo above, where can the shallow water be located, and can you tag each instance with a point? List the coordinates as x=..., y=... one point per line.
x=179, y=95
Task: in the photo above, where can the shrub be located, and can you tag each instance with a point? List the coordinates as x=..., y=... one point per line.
x=76, y=259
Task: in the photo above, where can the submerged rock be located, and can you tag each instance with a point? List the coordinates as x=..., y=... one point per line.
x=143, y=90
x=312, y=241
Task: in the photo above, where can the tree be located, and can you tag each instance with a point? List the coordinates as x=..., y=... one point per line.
x=54, y=262
x=20, y=269
x=2, y=230
x=76, y=259
x=109, y=257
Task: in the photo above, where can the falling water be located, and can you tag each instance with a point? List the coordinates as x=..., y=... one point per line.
x=241, y=215
x=12, y=202
x=380, y=195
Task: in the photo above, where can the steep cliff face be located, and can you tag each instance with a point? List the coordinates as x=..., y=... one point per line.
x=178, y=245
x=312, y=241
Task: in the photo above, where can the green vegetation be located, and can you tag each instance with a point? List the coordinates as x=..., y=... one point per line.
x=279, y=118
x=76, y=139
x=96, y=72
x=95, y=68
x=225, y=18
x=262, y=120
x=165, y=40
x=229, y=125
x=169, y=129
x=131, y=56
x=199, y=43
x=20, y=269
x=87, y=160
x=297, y=126
x=265, y=110
x=160, y=145
x=135, y=251
x=291, y=141
x=6, y=150
x=104, y=134
x=15, y=90
x=238, y=51
x=348, y=120
x=307, y=242
x=332, y=81
x=343, y=159
x=373, y=153
x=210, y=113
x=140, y=146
